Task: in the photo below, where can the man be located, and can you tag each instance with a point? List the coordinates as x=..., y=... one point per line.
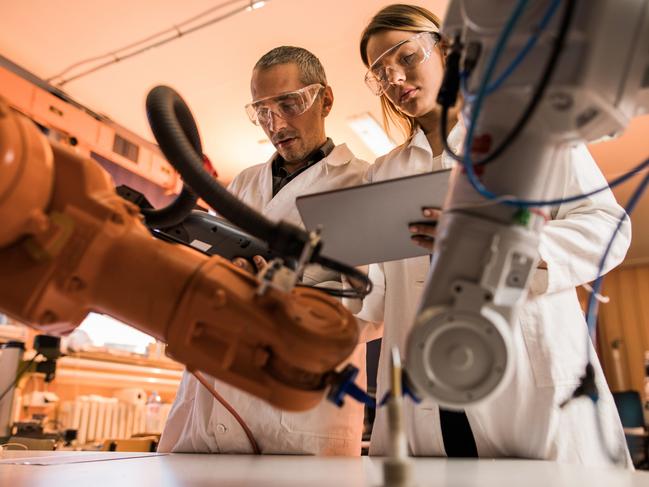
x=291, y=100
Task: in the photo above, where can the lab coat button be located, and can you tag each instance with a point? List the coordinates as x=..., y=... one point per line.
x=221, y=428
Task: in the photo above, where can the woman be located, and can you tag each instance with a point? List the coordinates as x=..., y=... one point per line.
x=404, y=54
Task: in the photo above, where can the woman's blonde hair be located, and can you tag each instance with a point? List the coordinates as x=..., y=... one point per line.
x=408, y=18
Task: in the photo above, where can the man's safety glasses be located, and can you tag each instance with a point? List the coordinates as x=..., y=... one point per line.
x=401, y=57
x=286, y=106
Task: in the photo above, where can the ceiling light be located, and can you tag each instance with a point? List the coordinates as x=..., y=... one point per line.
x=371, y=133
x=255, y=5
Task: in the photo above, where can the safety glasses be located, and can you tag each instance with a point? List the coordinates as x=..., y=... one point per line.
x=287, y=105
x=400, y=58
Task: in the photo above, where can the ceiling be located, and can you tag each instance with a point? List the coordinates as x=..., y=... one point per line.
x=211, y=68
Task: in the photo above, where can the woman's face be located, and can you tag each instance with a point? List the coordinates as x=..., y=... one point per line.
x=412, y=87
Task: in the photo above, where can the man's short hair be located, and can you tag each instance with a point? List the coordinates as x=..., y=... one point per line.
x=311, y=70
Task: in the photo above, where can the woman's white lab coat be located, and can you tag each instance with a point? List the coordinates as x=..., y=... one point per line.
x=198, y=423
x=525, y=420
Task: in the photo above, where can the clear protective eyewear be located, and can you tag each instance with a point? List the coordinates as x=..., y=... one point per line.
x=401, y=57
x=286, y=105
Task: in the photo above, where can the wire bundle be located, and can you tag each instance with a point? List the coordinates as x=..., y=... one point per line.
x=588, y=386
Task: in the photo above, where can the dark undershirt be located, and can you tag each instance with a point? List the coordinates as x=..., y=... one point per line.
x=457, y=435
x=281, y=177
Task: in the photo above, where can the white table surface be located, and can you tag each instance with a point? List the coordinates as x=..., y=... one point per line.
x=288, y=471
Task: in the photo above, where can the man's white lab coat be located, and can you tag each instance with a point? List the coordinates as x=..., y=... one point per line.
x=198, y=423
x=550, y=353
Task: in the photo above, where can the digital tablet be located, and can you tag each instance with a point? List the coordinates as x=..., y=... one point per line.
x=369, y=223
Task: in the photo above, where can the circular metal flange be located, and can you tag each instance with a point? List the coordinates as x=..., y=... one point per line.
x=459, y=358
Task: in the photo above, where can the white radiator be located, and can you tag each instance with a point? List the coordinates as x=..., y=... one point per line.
x=97, y=418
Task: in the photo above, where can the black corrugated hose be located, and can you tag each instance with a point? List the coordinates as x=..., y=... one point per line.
x=168, y=116
x=181, y=207
x=168, y=113
x=174, y=213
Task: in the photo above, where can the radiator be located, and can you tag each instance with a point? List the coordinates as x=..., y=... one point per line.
x=97, y=418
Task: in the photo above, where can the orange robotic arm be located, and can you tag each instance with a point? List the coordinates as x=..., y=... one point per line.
x=70, y=245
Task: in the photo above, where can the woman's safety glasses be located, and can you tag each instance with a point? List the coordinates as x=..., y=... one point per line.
x=401, y=57
x=287, y=105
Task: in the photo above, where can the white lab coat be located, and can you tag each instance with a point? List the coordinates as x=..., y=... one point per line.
x=198, y=423
x=524, y=421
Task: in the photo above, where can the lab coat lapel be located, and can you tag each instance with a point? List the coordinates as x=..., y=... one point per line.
x=307, y=182
x=266, y=184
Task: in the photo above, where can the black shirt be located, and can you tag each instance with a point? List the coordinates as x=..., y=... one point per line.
x=281, y=177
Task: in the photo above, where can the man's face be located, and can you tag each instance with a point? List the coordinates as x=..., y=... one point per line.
x=294, y=139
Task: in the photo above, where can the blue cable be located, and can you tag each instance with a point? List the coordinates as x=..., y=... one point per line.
x=569, y=199
x=588, y=384
x=467, y=162
x=592, y=309
x=522, y=54
x=491, y=65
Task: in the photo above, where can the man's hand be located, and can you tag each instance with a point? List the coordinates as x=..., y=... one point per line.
x=423, y=232
x=259, y=261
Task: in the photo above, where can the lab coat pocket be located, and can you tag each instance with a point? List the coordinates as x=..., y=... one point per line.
x=417, y=268
x=553, y=330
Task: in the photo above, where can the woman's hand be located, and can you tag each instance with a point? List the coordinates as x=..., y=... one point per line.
x=423, y=232
x=245, y=264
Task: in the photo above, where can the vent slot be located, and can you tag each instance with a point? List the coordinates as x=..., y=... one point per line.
x=126, y=148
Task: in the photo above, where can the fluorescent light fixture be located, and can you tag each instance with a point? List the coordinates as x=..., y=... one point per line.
x=256, y=5
x=371, y=133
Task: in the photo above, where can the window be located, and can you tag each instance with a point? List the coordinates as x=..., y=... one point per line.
x=111, y=333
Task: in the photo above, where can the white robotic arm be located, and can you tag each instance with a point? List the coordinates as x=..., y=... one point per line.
x=459, y=351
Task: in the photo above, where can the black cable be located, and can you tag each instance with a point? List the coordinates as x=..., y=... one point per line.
x=443, y=128
x=18, y=376
x=166, y=110
x=534, y=101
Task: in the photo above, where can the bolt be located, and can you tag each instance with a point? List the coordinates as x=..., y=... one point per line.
x=117, y=218
x=75, y=284
x=561, y=101
x=48, y=317
x=131, y=209
x=260, y=357
x=219, y=298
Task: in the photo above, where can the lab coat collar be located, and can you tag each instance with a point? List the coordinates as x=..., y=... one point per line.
x=339, y=156
x=455, y=139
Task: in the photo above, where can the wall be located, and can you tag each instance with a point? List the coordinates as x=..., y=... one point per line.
x=624, y=322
